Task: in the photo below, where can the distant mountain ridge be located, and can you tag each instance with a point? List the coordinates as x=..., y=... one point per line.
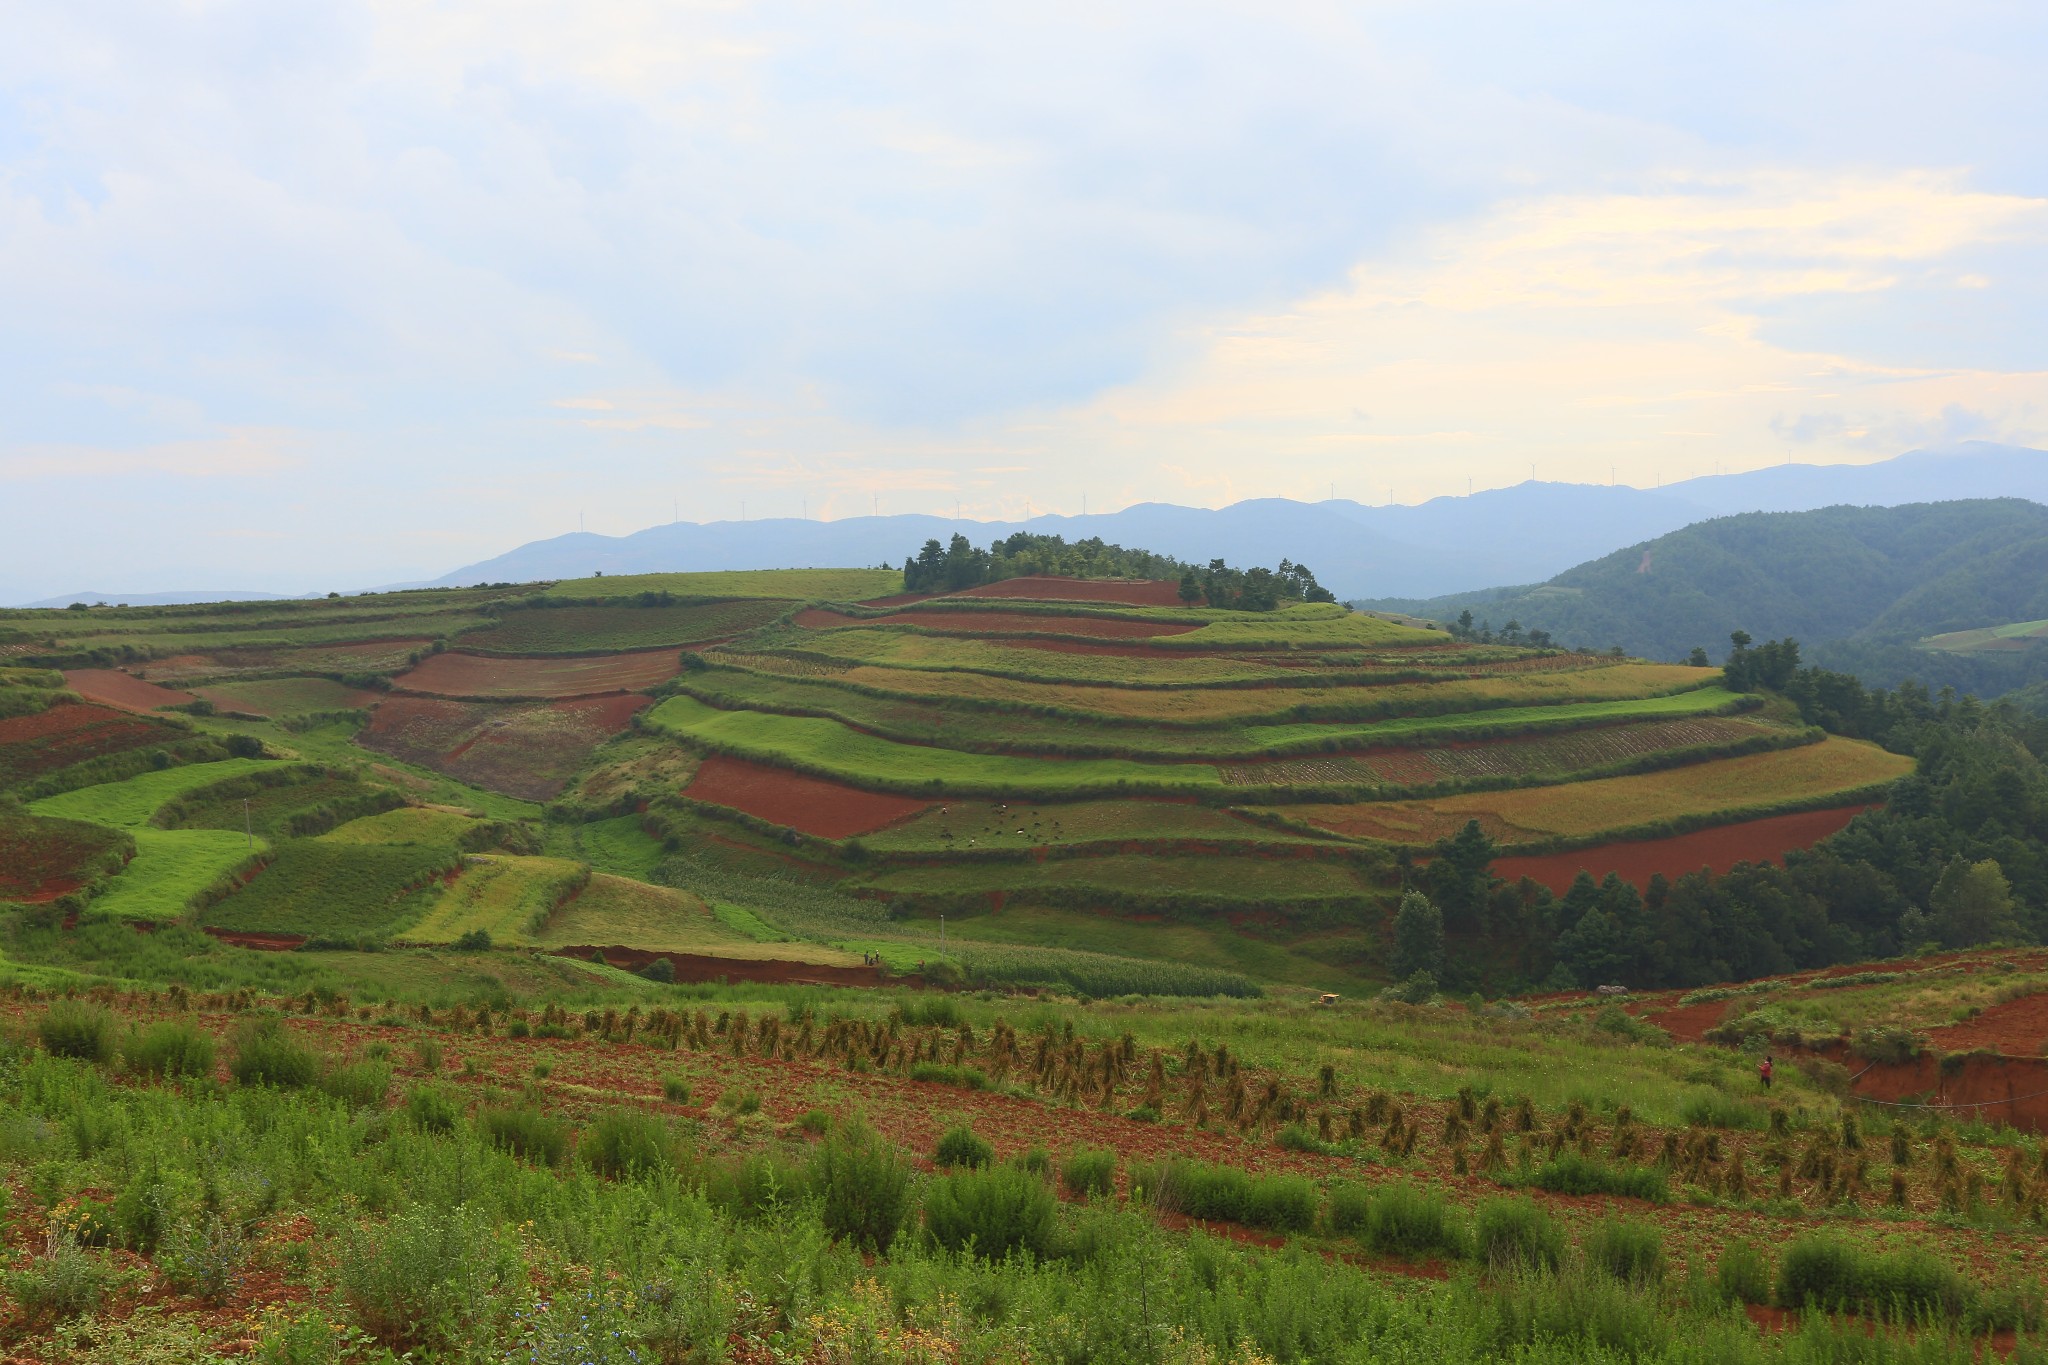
x=1857, y=586
x=1522, y=534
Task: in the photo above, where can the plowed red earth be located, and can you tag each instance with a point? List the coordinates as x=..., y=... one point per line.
x=64, y=735
x=2017, y=1028
x=1136, y=593
x=115, y=688
x=525, y=749
x=812, y=805
x=1000, y=623
x=1720, y=848
x=468, y=675
x=41, y=860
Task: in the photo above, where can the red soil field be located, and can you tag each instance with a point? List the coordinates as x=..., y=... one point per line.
x=528, y=749
x=1135, y=593
x=116, y=688
x=468, y=675
x=1721, y=848
x=63, y=735
x=812, y=805
x=41, y=860
x=1000, y=622
x=2017, y=1028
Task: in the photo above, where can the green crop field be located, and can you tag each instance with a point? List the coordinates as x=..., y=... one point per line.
x=830, y=749
x=334, y=890
x=2006, y=639
x=508, y=898
x=830, y=585
x=286, y=696
x=963, y=824
x=1565, y=715
x=170, y=867
x=423, y=825
x=268, y=810
x=128, y=804
x=557, y=630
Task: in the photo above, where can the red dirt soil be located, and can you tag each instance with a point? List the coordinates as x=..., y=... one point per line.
x=116, y=688
x=1135, y=593
x=456, y=674
x=812, y=805
x=1720, y=848
x=2017, y=1028
x=63, y=719
x=773, y=971
x=1000, y=622
x=269, y=943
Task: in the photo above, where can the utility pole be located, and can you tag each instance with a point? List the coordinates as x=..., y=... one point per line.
x=942, y=933
x=248, y=829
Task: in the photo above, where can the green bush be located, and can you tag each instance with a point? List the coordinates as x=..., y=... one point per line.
x=1570, y=1173
x=960, y=1146
x=1627, y=1250
x=421, y=1281
x=1714, y=1109
x=626, y=1142
x=1744, y=1273
x=432, y=1109
x=265, y=1054
x=993, y=1212
x=752, y=1186
x=967, y=1077
x=1577, y=1315
x=204, y=1258
x=49, y=1289
x=1402, y=1220
x=1350, y=1204
x=675, y=1089
x=473, y=941
x=863, y=1186
x=661, y=971
x=1283, y=1202
x=1515, y=1234
x=1089, y=1172
x=151, y=1203
x=78, y=1028
x=1820, y=1272
x=170, y=1048
x=526, y=1133
x=361, y=1084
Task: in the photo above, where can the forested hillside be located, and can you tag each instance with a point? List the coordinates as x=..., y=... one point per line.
x=1859, y=586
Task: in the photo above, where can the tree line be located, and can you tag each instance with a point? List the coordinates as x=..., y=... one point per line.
x=958, y=565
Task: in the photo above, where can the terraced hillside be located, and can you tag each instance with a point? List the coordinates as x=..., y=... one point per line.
x=1034, y=780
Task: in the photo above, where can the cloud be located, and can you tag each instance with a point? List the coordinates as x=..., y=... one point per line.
x=248, y=454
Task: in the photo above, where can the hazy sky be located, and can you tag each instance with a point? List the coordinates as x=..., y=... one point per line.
x=308, y=294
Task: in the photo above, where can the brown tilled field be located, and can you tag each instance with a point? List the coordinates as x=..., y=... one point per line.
x=1720, y=848
x=114, y=687
x=455, y=674
x=525, y=749
x=813, y=805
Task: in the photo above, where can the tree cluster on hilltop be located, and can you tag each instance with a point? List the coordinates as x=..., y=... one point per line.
x=1956, y=858
x=959, y=565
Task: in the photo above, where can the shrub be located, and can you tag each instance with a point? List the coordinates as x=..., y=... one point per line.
x=170, y=1048
x=1713, y=1109
x=360, y=1085
x=1819, y=1271
x=1195, y=1188
x=626, y=1142
x=149, y=1204
x=204, y=1258
x=738, y=1102
x=1627, y=1250
x=1744, y=1274
x=1350, y=1203
x=431, y=1109
x=49, y=1289
x=422, y=1280
x=526, y=1133
x=265, y=1054
x=960, y=1146
x=1402, y=1220
x=660, y=970
x=863, y=1185
x=755, y=1184
x=78, y=1028
x=1570, y=1173
x=474, y=941
x=967, y=1077
x=1577, y=1315
x=1089, y=1172
x=816, y=1122
x=675, y=1089
x=1515, y=1234
x=430, y=1055
x=992, y=1212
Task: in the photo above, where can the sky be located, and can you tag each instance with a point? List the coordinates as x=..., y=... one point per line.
x=304, y=295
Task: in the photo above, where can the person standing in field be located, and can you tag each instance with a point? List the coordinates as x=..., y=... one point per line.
x=1763, y=1071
